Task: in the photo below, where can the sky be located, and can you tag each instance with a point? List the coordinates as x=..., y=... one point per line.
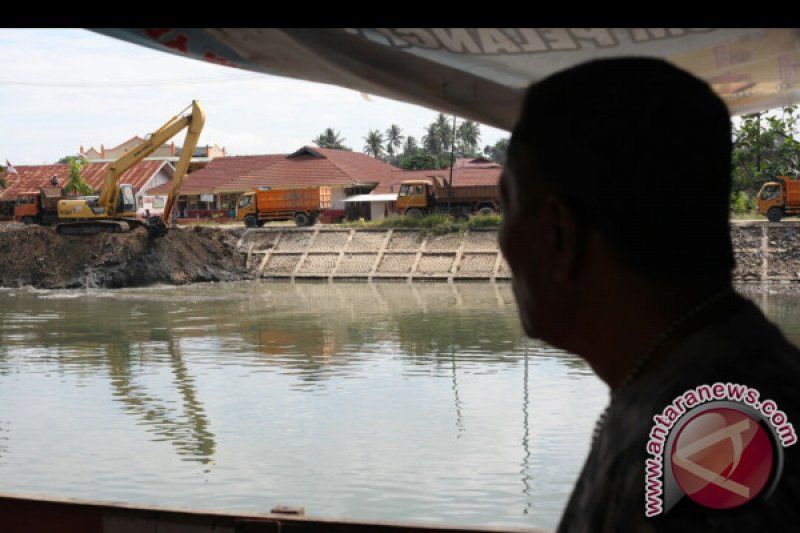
x=63, y=88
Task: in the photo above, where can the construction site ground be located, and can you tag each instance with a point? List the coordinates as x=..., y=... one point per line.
x=39, y=257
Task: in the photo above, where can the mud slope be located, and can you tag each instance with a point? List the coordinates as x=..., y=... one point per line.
x=37, y=256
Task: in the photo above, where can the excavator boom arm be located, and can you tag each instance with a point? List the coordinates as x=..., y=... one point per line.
x=194, y=120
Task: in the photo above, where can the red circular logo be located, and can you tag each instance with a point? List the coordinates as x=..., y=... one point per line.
x=722, y=458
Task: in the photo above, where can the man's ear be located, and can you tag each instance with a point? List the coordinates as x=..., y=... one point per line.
x=564, y=236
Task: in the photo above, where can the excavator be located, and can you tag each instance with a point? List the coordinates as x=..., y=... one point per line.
x=114, y=210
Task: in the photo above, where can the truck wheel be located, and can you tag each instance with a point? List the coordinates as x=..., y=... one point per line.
x=775, y=214
x=486, y=211
x=27, y=221
x=301, y=219
x=250, y=221
x=414, y=213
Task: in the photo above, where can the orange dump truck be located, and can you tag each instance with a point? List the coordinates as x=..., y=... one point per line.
x=418, y=198
x=779, y=198
x=38, y=207
x=303, y=205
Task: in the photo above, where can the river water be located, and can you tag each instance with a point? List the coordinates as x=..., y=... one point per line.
x=381, y=401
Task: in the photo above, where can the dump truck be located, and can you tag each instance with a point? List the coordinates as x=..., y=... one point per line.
x=265, y=204
x=38, y=207
x=418, y=198
x=779, y=198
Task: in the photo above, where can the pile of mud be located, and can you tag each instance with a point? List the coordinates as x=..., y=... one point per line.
x=39, y=257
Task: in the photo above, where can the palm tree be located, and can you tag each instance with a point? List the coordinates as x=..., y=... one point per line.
x=410, y=146
x=430, y=141
x=77, y=184
x=374, y=146
x=469, y=136
x=445, y=131
x=394, y=138
x=330, y=139
x=497, y=153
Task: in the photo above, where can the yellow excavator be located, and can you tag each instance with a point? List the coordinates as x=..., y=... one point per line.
x=115, y=209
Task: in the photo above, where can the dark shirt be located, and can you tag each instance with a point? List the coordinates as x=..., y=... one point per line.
x=739, y=345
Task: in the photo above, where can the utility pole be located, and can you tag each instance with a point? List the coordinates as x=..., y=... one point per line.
x=452, y=164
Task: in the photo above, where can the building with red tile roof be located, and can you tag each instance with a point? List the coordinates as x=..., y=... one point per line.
x=216, y=187
x=142, y=176
x=206, y=191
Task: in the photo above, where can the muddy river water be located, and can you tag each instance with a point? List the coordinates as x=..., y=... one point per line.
x=385, y=401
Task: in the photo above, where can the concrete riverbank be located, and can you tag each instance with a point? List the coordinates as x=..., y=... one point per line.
x=766, y=254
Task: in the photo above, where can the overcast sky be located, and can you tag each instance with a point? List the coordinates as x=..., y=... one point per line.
x=60, y=89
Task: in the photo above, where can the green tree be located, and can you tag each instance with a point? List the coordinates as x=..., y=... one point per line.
x=374, y=146
x=764, y=147
x=410, y=146
x=468, y=136
x=3, y=181
x=424, y=160
x=444, y=129
x=330, y=139
x=77, y=185
x=394, y=139
x=497, y=153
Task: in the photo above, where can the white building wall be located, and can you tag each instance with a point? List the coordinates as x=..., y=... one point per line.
x=337, y=198
x=164, y=175
x=377, y=210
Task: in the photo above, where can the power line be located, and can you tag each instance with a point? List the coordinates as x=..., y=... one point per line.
x=128, y=83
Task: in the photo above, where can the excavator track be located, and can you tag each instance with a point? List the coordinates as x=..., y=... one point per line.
x=92, y=227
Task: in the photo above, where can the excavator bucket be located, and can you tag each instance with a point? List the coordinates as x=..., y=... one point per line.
x=155, y=227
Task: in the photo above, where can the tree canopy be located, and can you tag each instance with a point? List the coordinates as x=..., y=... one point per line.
x=77, y=183
x=330, y=139
x=764, y=147
x=374, y=144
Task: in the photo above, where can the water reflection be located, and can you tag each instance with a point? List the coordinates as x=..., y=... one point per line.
x=366, y=391
x=187, y=431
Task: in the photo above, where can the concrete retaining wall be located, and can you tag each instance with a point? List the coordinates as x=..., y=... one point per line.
x=765, y=252
x=399, y=254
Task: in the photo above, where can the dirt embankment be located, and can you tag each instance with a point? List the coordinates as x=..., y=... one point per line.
x=37, y=256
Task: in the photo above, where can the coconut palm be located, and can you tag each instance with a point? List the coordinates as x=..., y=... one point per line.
x=469, y=136
x=330, y=139
x=410, y=145
x=374, y=146
x=394, y=139
x=445, y=131
x=430, y=141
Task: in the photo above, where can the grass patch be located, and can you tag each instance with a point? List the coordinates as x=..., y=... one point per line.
x=429, y=225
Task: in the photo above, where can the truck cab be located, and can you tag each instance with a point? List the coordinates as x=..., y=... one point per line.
x=779, y=198
x=247, y=206
x=26, y=208
x=414, y=197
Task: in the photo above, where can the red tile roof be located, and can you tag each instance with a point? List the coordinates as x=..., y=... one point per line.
x=315, y=166
x=461, y=176
x=31, y=177
x=221, y=171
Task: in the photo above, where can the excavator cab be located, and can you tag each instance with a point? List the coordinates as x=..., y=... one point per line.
x=126, y=203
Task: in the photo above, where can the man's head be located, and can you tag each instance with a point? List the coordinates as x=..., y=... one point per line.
x=632, y=152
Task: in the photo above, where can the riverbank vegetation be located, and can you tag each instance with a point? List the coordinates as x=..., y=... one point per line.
x=432, y=224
